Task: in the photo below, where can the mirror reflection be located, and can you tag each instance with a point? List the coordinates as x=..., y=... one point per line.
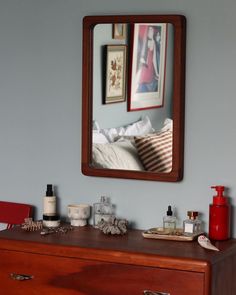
x=133, y=97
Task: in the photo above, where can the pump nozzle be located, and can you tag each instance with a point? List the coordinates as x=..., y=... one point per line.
x=49, y=191
x=219, y=199
x=220, y=189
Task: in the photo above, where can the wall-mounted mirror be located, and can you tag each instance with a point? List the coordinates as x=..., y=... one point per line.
x=133, y=96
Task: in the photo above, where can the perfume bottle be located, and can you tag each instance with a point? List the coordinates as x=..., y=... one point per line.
x=102, y=211
x=192, y=225
x=169, y=222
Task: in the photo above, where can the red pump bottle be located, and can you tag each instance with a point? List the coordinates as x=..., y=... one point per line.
x=219, y=216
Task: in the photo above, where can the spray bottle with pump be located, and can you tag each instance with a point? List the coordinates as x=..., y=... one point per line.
x=219, y=216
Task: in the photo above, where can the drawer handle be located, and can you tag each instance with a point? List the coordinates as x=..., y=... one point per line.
x=20, y=277
x=148, y=292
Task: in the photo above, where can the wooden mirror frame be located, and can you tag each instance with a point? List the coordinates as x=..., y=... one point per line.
x=179, y=24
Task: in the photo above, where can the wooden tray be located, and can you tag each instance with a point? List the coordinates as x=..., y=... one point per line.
x=161, y=234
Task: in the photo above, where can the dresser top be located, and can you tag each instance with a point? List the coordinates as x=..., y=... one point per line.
x=89, y=243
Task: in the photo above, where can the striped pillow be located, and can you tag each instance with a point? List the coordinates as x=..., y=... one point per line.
x=155, y=151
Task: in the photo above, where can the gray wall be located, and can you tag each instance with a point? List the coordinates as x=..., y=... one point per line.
x=40, y=107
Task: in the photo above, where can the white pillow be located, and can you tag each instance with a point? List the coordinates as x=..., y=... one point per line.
x=98, y=137
x=141, y=127
x=168, y=125
x=112, y=133
x=117, y=155
x=126, y=137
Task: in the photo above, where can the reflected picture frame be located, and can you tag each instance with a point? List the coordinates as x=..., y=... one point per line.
x=148, y=66
x=115, y=73
x=119, y=31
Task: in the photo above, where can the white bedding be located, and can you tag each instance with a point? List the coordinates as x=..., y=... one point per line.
x=117, y=155
x=141, y=127
x=116, y=148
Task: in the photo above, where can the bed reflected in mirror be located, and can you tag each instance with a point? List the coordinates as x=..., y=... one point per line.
x=133, y=97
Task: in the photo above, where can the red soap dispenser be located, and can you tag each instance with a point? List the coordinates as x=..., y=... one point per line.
x=219, y=216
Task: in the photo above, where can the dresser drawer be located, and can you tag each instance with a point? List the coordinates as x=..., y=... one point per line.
x=61, y=275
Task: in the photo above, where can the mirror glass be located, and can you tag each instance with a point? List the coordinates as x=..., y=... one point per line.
x=132, y=98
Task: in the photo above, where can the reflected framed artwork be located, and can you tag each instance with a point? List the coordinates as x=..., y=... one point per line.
x=147, y=71
x=115, y=88
x=119, y=31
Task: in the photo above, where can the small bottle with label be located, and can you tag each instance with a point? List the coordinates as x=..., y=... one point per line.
x=50, y=217
x=49, y=201
x=169, y=222
x=102, y=211
x=192, y=225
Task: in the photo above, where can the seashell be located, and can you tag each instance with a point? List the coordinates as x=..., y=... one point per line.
x=206, y=243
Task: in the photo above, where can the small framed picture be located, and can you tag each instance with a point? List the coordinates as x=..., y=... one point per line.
x=119, y=31
x=147, y=70
x=115, y=84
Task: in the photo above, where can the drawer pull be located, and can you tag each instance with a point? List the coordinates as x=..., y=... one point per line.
x=20, y=277
x=148, y=292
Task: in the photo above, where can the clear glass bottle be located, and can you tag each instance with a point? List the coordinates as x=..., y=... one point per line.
x=169, y=222
x=192, y=225
x=102, y=210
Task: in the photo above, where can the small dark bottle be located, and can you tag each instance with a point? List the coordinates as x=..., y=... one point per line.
x=219, y=216
x=49, y=201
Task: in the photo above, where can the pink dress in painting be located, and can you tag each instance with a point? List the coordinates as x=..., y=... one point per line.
x=147, y=71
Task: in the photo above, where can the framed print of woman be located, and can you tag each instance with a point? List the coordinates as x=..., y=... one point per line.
x=148, y=66
x=148, y=72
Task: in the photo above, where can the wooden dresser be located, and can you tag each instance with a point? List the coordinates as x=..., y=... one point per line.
x=87, y=262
